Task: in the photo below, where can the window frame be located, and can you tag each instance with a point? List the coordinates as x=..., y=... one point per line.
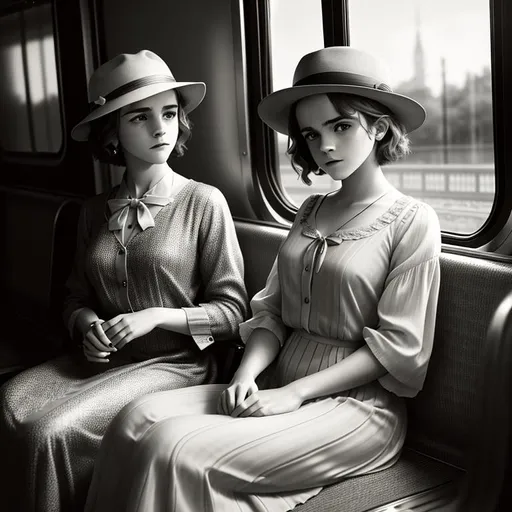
x=68, y=171
x=335, y=14
x=46, y=158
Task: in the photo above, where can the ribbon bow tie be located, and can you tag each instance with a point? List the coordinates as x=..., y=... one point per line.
x=121, y=207
x=320, y=244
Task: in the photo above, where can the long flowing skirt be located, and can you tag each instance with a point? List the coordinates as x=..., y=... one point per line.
x=171, y=452
x=54, y=416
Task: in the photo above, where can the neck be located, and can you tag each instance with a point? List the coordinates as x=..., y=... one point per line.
x=140, y=178
x=363, y=185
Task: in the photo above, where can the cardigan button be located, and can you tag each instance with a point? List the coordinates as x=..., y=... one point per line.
x=306, y=300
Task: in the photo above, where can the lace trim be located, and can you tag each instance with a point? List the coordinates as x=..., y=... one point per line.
x=309, y=208
x=356, y=233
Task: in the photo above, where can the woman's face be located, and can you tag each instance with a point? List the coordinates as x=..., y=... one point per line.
x=339, y=145
x=148, y=129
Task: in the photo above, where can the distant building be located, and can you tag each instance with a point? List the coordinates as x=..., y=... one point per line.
x=418, y=80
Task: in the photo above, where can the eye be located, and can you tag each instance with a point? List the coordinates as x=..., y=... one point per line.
x=310, y=136
x=341, y=127
x=140, y=117
x=170, y=115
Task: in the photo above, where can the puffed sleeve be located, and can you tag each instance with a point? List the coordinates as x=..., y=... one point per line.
x=266, y=309
x=266, y=304
x=225, y=301
x=80, y=293
x=403, y=339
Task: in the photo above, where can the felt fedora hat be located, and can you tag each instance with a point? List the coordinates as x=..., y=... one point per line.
x=128, y=78
x=341, y=69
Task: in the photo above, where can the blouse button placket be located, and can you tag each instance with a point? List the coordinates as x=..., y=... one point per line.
x=122, y=279
x=306, y=285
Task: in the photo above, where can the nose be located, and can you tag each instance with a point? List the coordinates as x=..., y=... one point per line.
x=159, y=129
x=327, y=143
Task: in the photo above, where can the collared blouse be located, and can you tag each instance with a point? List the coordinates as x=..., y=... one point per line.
x=168, y=249
x=377, y=284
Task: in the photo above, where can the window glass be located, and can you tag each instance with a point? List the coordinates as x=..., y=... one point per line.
x=296, y=29
x=29, y=93
x=432, y=59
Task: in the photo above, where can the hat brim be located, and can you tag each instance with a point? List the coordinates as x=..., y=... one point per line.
x=192, y=92
x=274, y=110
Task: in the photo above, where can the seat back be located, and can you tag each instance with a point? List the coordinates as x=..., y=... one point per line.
x=444, y=417
x=38, y=231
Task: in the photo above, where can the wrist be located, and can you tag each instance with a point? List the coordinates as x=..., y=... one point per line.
x=244, y=374
x=157, y=316
x=298, y=389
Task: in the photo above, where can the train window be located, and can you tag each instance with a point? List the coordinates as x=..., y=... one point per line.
x=296, y=29
x=29, y=92
x=430, y=57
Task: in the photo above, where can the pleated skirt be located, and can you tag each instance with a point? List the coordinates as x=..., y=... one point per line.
x=171, y=452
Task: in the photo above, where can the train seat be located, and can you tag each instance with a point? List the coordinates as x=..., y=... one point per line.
x=38, y=233
x=453, y=427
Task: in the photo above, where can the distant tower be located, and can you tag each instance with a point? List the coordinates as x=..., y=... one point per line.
x=419, y=57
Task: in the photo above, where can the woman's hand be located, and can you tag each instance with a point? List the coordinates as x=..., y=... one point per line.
x=267, y=402
x=96, y=345
x=239, y=389
x=123, y=329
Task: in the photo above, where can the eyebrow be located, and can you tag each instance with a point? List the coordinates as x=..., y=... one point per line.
x=147, y=109
x=330, y=121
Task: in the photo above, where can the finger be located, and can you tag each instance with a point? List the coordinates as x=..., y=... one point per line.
x=221, y=403
x=251, y=411
x=230, y=399
x=119, y=339
x=94, y=358
x=113, y=321
x=231, y=402
x=112, y=331
x=95, y=353
x=92, y=342
x=97, y=360
x=247, y=403
x=124, y=341
x=241, y=394
x=252, y=389
x=101, y=336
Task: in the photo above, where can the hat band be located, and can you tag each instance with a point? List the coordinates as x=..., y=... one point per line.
x=342, y=78
x=129, y=87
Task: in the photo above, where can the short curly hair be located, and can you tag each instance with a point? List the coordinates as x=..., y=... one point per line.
x=393, y=146
x=104, y=131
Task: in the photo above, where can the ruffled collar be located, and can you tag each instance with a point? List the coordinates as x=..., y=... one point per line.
x=354, y=233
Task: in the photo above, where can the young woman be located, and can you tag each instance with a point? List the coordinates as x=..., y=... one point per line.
x=158, y=277
x=346, y=318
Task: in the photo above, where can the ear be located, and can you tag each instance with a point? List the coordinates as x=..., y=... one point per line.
x=381, y=127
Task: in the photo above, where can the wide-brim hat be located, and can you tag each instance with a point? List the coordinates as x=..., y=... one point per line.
x=128, y=78
x=339, y=69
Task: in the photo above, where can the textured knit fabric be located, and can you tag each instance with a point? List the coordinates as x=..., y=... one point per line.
x=379, y=285
x=54, y=415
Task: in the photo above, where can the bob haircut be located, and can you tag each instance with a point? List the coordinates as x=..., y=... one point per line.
x=393, y=146
x=104, y=143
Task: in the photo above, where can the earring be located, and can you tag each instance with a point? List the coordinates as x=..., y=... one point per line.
x=111, y=149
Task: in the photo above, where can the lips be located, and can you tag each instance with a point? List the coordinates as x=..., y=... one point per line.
x=159, y=145
x=330, y=162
